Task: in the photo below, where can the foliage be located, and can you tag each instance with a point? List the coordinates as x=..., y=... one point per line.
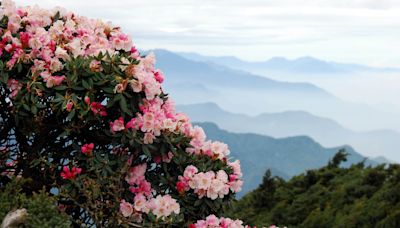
x=83, y=114
x=285, y=157
x=42, y=208
x=331, y=196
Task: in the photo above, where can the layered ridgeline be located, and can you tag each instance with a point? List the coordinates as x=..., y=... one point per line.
x=285, y=157
x=302, y=65
x=292, y=123
x=192, y=81
x=331, y=196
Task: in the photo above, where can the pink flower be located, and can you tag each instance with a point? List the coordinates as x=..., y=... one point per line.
x=164, y=206
x=210, y=184
x=130, y=124
x=136, y=174
x=95, y=66
x=236, y=186
x=203, y=180
x=121, y=41
x=236, y=168
x=61, y=53
x=167, y=157
x=134, y=53
x=24, y=36
x=148, y=138
x=14, y=86
x=54, y=81
x=190, y=171
x=69, y=174
x=97, y=108
x=159, y=76
x=212, y=221
x=140, y=203
x=181, y=187
x=119, y=88
x=117, y=125
x=69, y=106
x=87, y=148
x=125, y=208
x=87, y=100
x=55, y=65
x=136, y=85
x=143, y=187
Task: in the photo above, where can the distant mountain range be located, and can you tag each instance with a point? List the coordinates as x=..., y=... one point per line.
x=190, y=81
x=182, y=71
x=293, y=123
x=305, y=65
x=286, y=157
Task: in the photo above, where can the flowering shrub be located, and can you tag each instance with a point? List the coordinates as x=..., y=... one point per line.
x=214, y=221
x=84, y=115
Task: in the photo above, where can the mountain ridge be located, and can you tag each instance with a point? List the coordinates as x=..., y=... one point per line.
x=285, y=124
x=303, y=64
x=289, y=156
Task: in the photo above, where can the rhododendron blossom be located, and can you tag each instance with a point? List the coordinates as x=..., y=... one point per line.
x=98, y=109
x=75, y=85
x=117, y=125
x=126, y=208
x=69, y=106
x=69, y=174
x=14, y=86
x=210, y=184
x=213, y=221
x=87, y=148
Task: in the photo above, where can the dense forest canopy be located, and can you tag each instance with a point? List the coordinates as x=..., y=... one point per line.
x=331, y=196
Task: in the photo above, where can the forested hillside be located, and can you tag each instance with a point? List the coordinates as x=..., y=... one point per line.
x=331, y=196
x=285, y=157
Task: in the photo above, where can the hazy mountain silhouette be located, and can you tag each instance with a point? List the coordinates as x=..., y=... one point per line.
x=190, y=81
x=304, y=64
x=181, y=70
x=293, y=123
x=286, y=157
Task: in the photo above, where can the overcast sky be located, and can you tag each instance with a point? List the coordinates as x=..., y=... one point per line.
x=359, y=31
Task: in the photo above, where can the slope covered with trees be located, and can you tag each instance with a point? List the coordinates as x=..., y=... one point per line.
x=331, y=196
x=285, y=157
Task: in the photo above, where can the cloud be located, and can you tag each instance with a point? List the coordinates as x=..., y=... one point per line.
x=259, y=29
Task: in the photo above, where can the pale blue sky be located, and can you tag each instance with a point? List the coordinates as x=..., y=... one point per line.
x=359, y=31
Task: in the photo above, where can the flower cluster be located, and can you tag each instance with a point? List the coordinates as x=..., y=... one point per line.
x=156, y=116
x=216, y=149
x=213, y=221
x=161, y=206
x=87, y=149
x=211, y=184
x=69, y=174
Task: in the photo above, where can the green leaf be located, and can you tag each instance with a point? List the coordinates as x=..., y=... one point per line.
x=78, y=88
x=63, y=87
x=26, y=107
x=4, y=78
x=146, y=150
x=123, y=104
x=90, y=82
x=57, y=16
x=71, y=115
x=34, y=110
x=85, y=84
x=108, y=90
x=198, y=203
